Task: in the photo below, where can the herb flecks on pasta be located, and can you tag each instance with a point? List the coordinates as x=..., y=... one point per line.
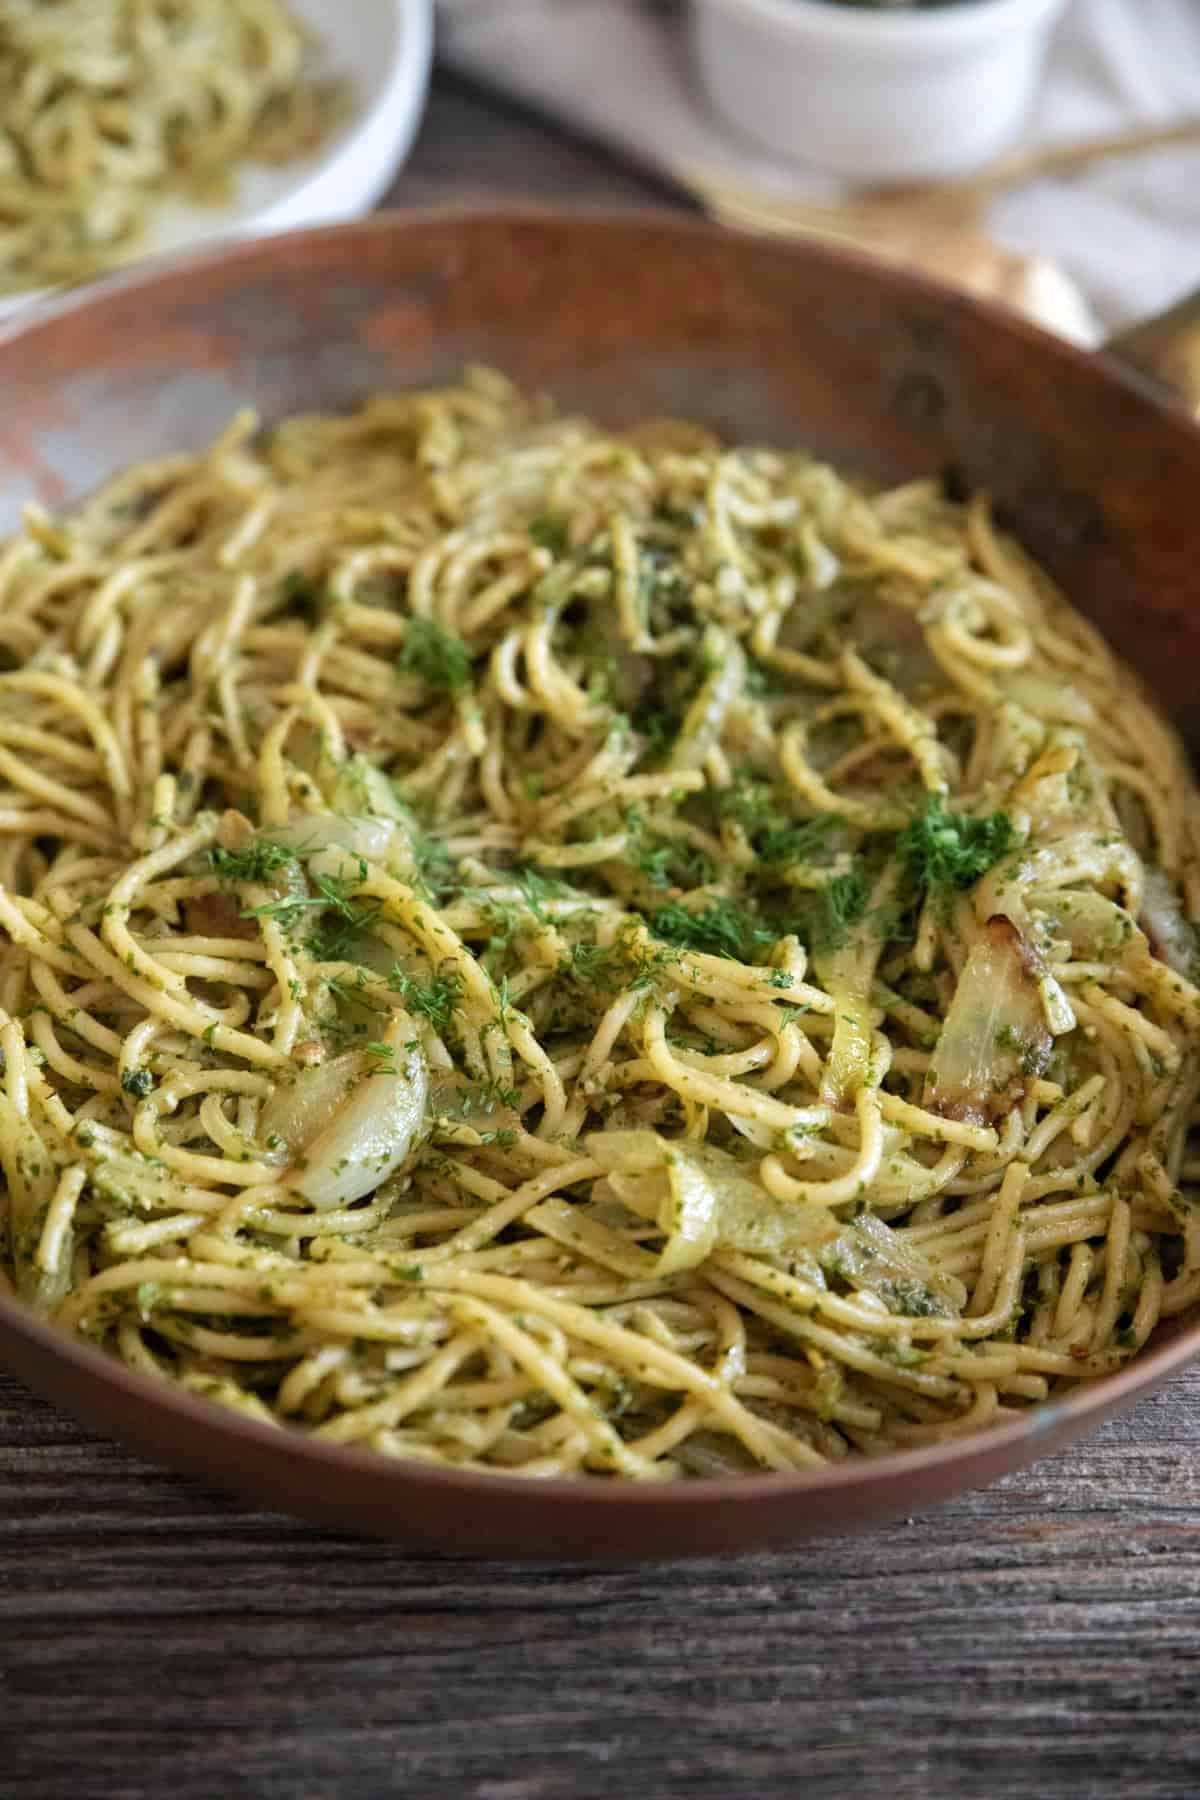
x=108, y=108
x=570, y=953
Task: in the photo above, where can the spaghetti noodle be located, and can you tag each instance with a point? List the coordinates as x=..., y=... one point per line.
x=583, y=954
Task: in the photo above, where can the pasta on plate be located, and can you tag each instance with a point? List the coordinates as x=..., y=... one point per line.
x=110, y=107
x=579, y=953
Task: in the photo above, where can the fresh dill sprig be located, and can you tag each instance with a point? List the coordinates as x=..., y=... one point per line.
x=943, y=850
x=256, y=862
x=789, y=844
x=435, y=999
x=335, y=934
x=488, y=1096
x=775, y=835
x=601, y=966
x=832, y=911
x=537, y=888
x=667, y=862
x=439, y=659
x=722, y=928
x=549, y=534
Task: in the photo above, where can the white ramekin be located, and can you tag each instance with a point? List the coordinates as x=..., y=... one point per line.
x=872, y=95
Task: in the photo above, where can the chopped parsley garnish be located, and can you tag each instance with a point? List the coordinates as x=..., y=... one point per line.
x=943, y=850
x=138, y=1082
x=435, y=656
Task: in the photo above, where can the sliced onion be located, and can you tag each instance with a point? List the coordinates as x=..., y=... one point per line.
x=702, y=723
x=375, y=839
x=869, y=1255
x=362, y=788
x=455, y=1099
x=1103, y=860
x=627, y=1152
x=995, y=1038
x=347, y=1124
x=848, y=1063
x=1045, y=699
x=691, y=1216
x=1172, y=940
x=703, y=1199
x=1098, y=930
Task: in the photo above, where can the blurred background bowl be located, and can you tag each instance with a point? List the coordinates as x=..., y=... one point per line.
x=875, y=95
x=383, y=50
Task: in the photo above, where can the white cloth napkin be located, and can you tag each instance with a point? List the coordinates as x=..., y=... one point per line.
x=1127, y=232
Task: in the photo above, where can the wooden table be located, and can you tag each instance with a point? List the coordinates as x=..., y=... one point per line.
x=1040, y=1640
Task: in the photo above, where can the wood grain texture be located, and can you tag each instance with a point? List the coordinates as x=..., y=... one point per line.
x=1040, y=1639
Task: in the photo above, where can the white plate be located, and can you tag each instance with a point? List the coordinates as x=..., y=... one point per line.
x=383, y=48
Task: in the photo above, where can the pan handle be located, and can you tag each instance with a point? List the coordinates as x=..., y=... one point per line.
x=1166, y=350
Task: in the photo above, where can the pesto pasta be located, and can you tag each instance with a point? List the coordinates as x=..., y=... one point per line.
x=108, y=108
x=578, y=953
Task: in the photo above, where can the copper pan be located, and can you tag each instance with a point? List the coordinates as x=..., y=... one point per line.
x=797, y=344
